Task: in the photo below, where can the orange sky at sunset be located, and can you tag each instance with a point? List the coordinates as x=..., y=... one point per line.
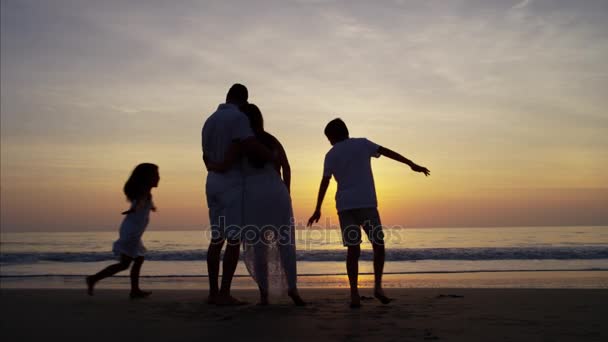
x=504, y=101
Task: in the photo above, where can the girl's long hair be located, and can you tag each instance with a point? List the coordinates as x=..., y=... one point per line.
x=140, y=182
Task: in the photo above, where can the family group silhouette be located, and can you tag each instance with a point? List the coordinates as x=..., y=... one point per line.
x=248, y=195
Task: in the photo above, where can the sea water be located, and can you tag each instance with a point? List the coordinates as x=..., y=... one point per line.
x=562, y=257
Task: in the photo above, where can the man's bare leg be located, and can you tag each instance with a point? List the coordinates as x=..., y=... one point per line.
x=213, y=268
x=231, y=259
x=352, y=268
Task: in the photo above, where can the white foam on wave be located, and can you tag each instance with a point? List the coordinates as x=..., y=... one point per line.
x=404, y=254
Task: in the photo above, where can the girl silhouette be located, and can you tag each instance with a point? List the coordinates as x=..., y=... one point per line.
x=129, y=246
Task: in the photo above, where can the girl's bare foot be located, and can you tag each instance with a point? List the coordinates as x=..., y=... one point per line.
x=379, y=294
x=295, y=296
x=90, y=285
x=139, y=294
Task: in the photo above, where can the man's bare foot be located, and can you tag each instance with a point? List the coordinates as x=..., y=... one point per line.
x=355, y=301
x=228, y=301
x=211, y=299
x=295, y=296
x=90, y=285
x=379, y=294
x=139, y=294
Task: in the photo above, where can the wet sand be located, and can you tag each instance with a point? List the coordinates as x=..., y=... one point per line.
x=415, y=315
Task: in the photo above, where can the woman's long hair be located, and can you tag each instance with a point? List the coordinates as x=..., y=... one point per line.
x=141, y=181
x=256, y=121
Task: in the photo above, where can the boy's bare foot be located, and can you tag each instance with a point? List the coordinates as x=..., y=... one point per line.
x=379, y=294
x=355, y=301
x=228, y=301
x=90, y=285
x=139, y=294
x=295, y=296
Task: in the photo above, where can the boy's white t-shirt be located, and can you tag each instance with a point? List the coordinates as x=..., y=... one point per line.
x=349, y=161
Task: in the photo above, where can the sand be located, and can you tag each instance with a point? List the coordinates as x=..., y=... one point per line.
x=415, y=315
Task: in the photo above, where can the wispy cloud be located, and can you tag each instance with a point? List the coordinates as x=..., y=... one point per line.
x=470, y=78
x=523, y=4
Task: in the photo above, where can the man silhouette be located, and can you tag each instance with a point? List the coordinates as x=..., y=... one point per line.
x=224, y=190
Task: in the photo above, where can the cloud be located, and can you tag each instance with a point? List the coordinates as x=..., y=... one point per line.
x=523, y=4
x=495, y=89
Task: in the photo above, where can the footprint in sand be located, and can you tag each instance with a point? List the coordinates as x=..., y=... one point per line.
x=449, y=296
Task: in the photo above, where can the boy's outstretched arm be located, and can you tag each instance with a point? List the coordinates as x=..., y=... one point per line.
x=396, y=156
x=322, y=190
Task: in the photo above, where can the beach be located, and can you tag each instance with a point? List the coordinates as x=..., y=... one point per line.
x=485, y=284
x=450, y=155
x=444, y=314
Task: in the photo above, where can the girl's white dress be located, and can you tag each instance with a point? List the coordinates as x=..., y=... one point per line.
x=132, y=228
x=268, y=234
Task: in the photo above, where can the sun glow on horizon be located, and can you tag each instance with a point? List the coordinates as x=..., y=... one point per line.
x=502, y=100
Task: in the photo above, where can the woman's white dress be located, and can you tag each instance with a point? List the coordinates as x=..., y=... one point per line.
x=268, y=235
x=131, y=230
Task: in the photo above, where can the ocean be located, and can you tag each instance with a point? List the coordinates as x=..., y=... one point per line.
x=532, y=257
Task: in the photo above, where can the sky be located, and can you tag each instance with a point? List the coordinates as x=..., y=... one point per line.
x=504, y=101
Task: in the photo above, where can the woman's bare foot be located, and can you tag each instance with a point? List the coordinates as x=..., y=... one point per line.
x=139, y=294
x=263, y=297
x=263, y=300
x=295, y=296
x=379, y=294
x=90, y=285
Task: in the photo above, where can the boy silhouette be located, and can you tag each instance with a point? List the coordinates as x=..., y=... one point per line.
x=349, y=161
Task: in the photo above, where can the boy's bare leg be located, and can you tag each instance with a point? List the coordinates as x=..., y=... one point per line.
x=352, y=268
x=379, y=255
x=213, y=268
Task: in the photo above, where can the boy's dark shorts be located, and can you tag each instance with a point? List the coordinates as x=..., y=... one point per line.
x=351, y=222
